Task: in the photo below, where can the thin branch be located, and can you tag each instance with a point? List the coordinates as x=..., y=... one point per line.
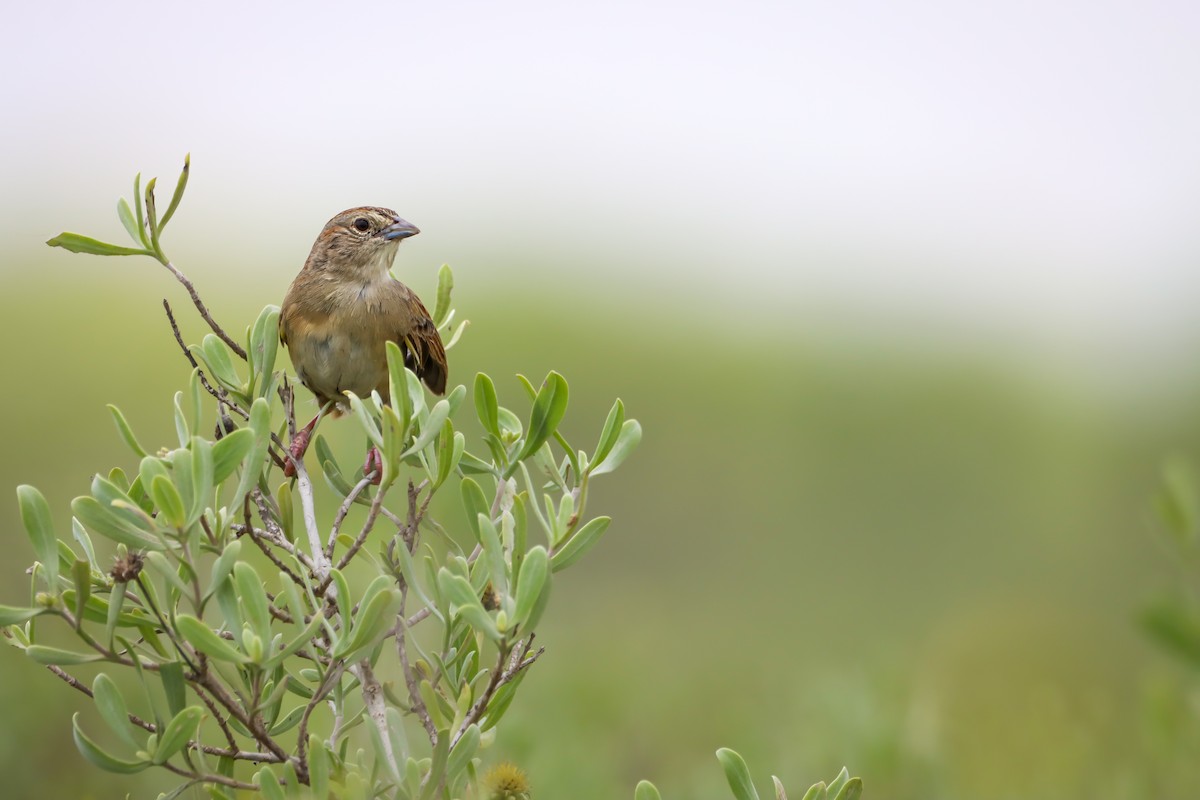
x=212, y=323
x=222, y=397
x=508, y=665
x=232, y=783
x=410, y=678
x=372, y=694
x=342, y=511
x=304, y=488
x=216, y=712
x=233, y=752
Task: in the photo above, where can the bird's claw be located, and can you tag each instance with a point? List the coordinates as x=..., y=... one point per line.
x=297, y=449
x=373, y=464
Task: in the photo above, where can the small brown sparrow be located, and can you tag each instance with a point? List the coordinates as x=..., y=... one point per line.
x=344, y=307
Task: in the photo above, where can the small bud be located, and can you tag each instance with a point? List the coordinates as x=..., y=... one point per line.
x=506, y=781
x=127, y=568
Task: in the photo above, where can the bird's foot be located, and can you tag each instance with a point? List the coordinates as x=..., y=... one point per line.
x=297, y=449
x=373, y=464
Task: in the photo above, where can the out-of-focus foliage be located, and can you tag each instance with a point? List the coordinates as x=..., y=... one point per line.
x=923, y=565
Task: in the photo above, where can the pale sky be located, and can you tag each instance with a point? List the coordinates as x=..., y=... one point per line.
x=1029, y=171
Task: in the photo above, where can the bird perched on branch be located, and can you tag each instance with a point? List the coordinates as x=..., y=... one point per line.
x=344, y=307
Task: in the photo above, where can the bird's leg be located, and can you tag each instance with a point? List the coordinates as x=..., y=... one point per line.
x=374, y=463
x=300, y=442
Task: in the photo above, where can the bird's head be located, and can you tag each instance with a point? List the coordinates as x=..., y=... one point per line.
x=361, y=240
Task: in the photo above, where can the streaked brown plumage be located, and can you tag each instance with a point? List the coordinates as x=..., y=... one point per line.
x=344, y=307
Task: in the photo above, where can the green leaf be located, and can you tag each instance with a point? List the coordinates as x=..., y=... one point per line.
x=116, y=600
x=817, y=792
x=125, y=214
x=126, y=431
x=10, y=615
x=548, y=410
x=229, y=451
x=398, y=386
x=836, y=785
x=260, y=424
x=646, y=791
x=202, y=477
x=851, y=790
x=201, y=637
x=301, y=639
x=81, y=576
x=216, y=355
x=631, y=435
x=180, y=185
x=264, y=347
x=376, y=616
x=63, y=658
x=493, y=551
x=441, y=308
x=364, y=417
x=179, y=731
x=253, y=598
x=318, y=767
x=35, y=515
x=166, y=498
x=610, y=432
x=113, y=711
x=464, y=750
x=534, y=571
x=92, y=752
x=486, y=406
x=223, y=565
x=430, y=428
x=85, y=541
x=475, y=503
x=268, y=785
x=437, y=765
x=174, y=685
x=737, y=774
x=579, y=543
x=152, y=215
x=86, y=244
x=458, y=591
x=780, y=794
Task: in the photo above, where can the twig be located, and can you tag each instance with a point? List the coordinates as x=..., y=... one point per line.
x=508, y=665
x=342, y=511
x=233, y=752
x=212, y=323
x=372, y=694
x=232, y=783
x=216, y=712
x=219, y=393
x=410, y=679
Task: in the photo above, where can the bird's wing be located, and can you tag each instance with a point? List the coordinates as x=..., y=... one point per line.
x=424, y=353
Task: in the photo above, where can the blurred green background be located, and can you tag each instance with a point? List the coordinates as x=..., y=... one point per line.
x=900, y=293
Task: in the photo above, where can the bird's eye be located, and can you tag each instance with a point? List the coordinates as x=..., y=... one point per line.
x=362, y=224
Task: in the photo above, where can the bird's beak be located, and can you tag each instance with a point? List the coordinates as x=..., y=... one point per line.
x=399, y=230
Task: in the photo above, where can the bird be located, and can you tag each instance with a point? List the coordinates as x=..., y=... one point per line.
x=342, y=309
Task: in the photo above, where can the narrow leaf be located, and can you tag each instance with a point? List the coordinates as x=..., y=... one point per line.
x=579, y=543
x=179, y=730
x=93, y=753
x=627, y=442
x=203, y=639
x=126, y=431
x=737, y=774
x=35, y=515
x=113, y=711
x=86, y=244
